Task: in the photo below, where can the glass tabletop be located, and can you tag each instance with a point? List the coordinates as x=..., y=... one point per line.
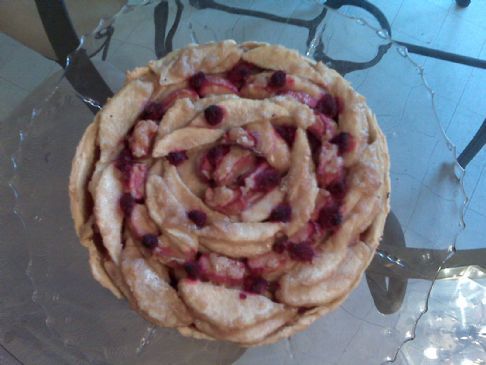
x=52, y=311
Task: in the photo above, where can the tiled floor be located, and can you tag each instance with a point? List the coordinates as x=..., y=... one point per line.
x=460, y=90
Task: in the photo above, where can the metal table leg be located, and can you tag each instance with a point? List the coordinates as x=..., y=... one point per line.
x=471, y=150
x=81, y=73
x=463, y=3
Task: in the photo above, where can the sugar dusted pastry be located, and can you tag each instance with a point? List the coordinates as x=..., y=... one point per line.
x=233, y=191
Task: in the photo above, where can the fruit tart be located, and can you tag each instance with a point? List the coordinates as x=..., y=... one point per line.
x=232, y=191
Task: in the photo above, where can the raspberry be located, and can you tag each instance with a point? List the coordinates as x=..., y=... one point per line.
x=240, y=72
x=197, y=217
x=338, y=189
x=277, y=80
x=124, y=163
x=197, y=80
x=280, y=245
x=255, y=284
x=177, y=157
x=153, y=111
x=214, y=114
x=344, y=141
x=193, y=270
x=267, y=179
x=287, y=132
x=330, y=217
x=216, y=154
x=150, y=241
x=327, y=105
x=281, y=213
x=302, y=251
x=127, y=203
